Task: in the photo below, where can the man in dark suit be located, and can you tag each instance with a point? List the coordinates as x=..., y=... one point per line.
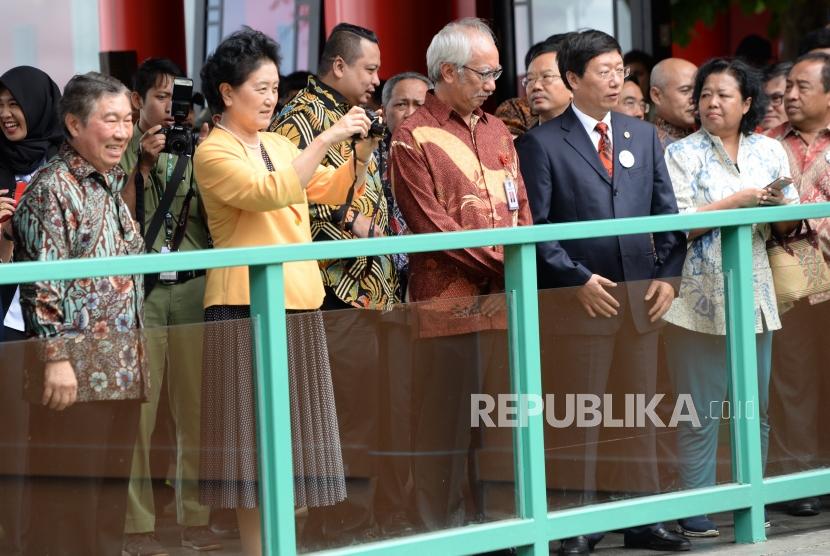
x=592, y=164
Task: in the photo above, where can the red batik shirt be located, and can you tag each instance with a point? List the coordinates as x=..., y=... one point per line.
x=446, y=177
x=810, y=166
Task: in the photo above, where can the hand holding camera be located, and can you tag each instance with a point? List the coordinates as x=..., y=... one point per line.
x=152, y=143
x=366, y=127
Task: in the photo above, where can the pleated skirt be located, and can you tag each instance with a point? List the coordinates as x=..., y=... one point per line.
x=228, y=463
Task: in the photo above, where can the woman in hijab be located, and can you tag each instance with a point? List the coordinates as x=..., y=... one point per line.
x=31, y=135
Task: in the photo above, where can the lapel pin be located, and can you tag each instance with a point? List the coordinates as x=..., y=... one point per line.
x=626, y=159
x=627, y=135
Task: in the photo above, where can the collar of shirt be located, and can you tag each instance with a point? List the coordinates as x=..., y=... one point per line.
x=786, y=130
x=717, y=145
x=442, y=111
x=672, y=130
x=81, y=169
x=590, y=123
x=330, y=97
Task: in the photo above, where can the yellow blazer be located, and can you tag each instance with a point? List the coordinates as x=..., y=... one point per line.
x=247, y=205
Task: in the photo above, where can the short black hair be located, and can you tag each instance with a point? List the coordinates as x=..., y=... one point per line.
x=551, y=44
x=236, y=57
x=148, y=73
x=774, y=71
x=817, y=38
x=632, y=79
x=344, y=41
x=825, y=68
x=582, y=47
x=749, y=83
x=639, y=56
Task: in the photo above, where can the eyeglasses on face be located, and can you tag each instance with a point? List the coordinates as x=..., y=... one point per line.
x=486, y=75
x=631, y=103
x=776, y=99
x=621, y=73
x=547, y=78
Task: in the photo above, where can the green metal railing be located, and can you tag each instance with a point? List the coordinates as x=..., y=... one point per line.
x=535, y=526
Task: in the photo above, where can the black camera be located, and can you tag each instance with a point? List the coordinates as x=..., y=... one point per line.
x=377, y=127
x=180, y=138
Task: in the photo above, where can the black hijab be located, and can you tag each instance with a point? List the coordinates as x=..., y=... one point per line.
x=38, y=97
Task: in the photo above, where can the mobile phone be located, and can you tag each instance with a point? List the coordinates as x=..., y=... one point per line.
x=779, y=184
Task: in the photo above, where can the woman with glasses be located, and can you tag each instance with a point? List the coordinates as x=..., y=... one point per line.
x=724, y=165
x=775, y=86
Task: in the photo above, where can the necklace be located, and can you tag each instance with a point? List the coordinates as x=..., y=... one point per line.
x=238, y=138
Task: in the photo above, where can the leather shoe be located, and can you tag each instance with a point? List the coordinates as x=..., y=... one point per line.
x=804, y=508
x=575, y=545
x=657, y=538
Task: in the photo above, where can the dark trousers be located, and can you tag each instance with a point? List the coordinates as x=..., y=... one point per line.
x=393, y=502
x=585, y=364
x=14, y=425
x=799, y=365
x=446, y=372
x=79, y=470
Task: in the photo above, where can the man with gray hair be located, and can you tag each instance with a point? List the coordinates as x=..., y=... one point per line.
x=402, y=95
x=453, y=167
x=672, y=84
x=85, y=394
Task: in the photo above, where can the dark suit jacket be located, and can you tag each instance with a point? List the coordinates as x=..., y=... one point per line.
x=566, y=182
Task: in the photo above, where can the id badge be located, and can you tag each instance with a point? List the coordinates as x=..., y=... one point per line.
x=170, y=276
x=510, y=194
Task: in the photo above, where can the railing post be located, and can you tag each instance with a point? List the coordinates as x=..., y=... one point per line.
x=526, y=379
x=747, y=464
x=276, y=473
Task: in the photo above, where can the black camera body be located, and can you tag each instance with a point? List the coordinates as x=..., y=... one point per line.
x=180, y=138
x=377, y=127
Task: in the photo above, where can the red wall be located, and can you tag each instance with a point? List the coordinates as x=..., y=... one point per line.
x=404, y=29
x=723, y=37
x=150, y=27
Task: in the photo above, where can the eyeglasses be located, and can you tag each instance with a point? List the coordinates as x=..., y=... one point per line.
x=606, y=75
x=486, y=75
x=632, y=103
x=776, y=99
x=546, y=78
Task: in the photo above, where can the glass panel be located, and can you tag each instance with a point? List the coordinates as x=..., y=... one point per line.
x=798, y=439
x=72, y=477
x=403, y=383
x=633, y=408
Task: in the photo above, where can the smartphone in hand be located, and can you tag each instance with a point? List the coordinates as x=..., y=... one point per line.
x=779, y=184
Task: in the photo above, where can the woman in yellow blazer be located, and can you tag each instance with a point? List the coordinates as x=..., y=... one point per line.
x=256, y=188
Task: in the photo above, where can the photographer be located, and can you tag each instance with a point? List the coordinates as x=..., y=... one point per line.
x=169, y=207
x=348, y=75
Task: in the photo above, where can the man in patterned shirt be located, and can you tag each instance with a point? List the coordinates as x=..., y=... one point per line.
x=85, y=398
x=798, y=348
x=348, y=75
x=453, y=168
x=672, y=82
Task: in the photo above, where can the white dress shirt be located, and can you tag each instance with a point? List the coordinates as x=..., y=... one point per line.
x=590, y=124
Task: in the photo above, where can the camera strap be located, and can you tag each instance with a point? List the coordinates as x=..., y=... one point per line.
x=164, y=205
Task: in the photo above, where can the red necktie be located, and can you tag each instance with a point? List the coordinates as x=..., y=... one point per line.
x=606, y=155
